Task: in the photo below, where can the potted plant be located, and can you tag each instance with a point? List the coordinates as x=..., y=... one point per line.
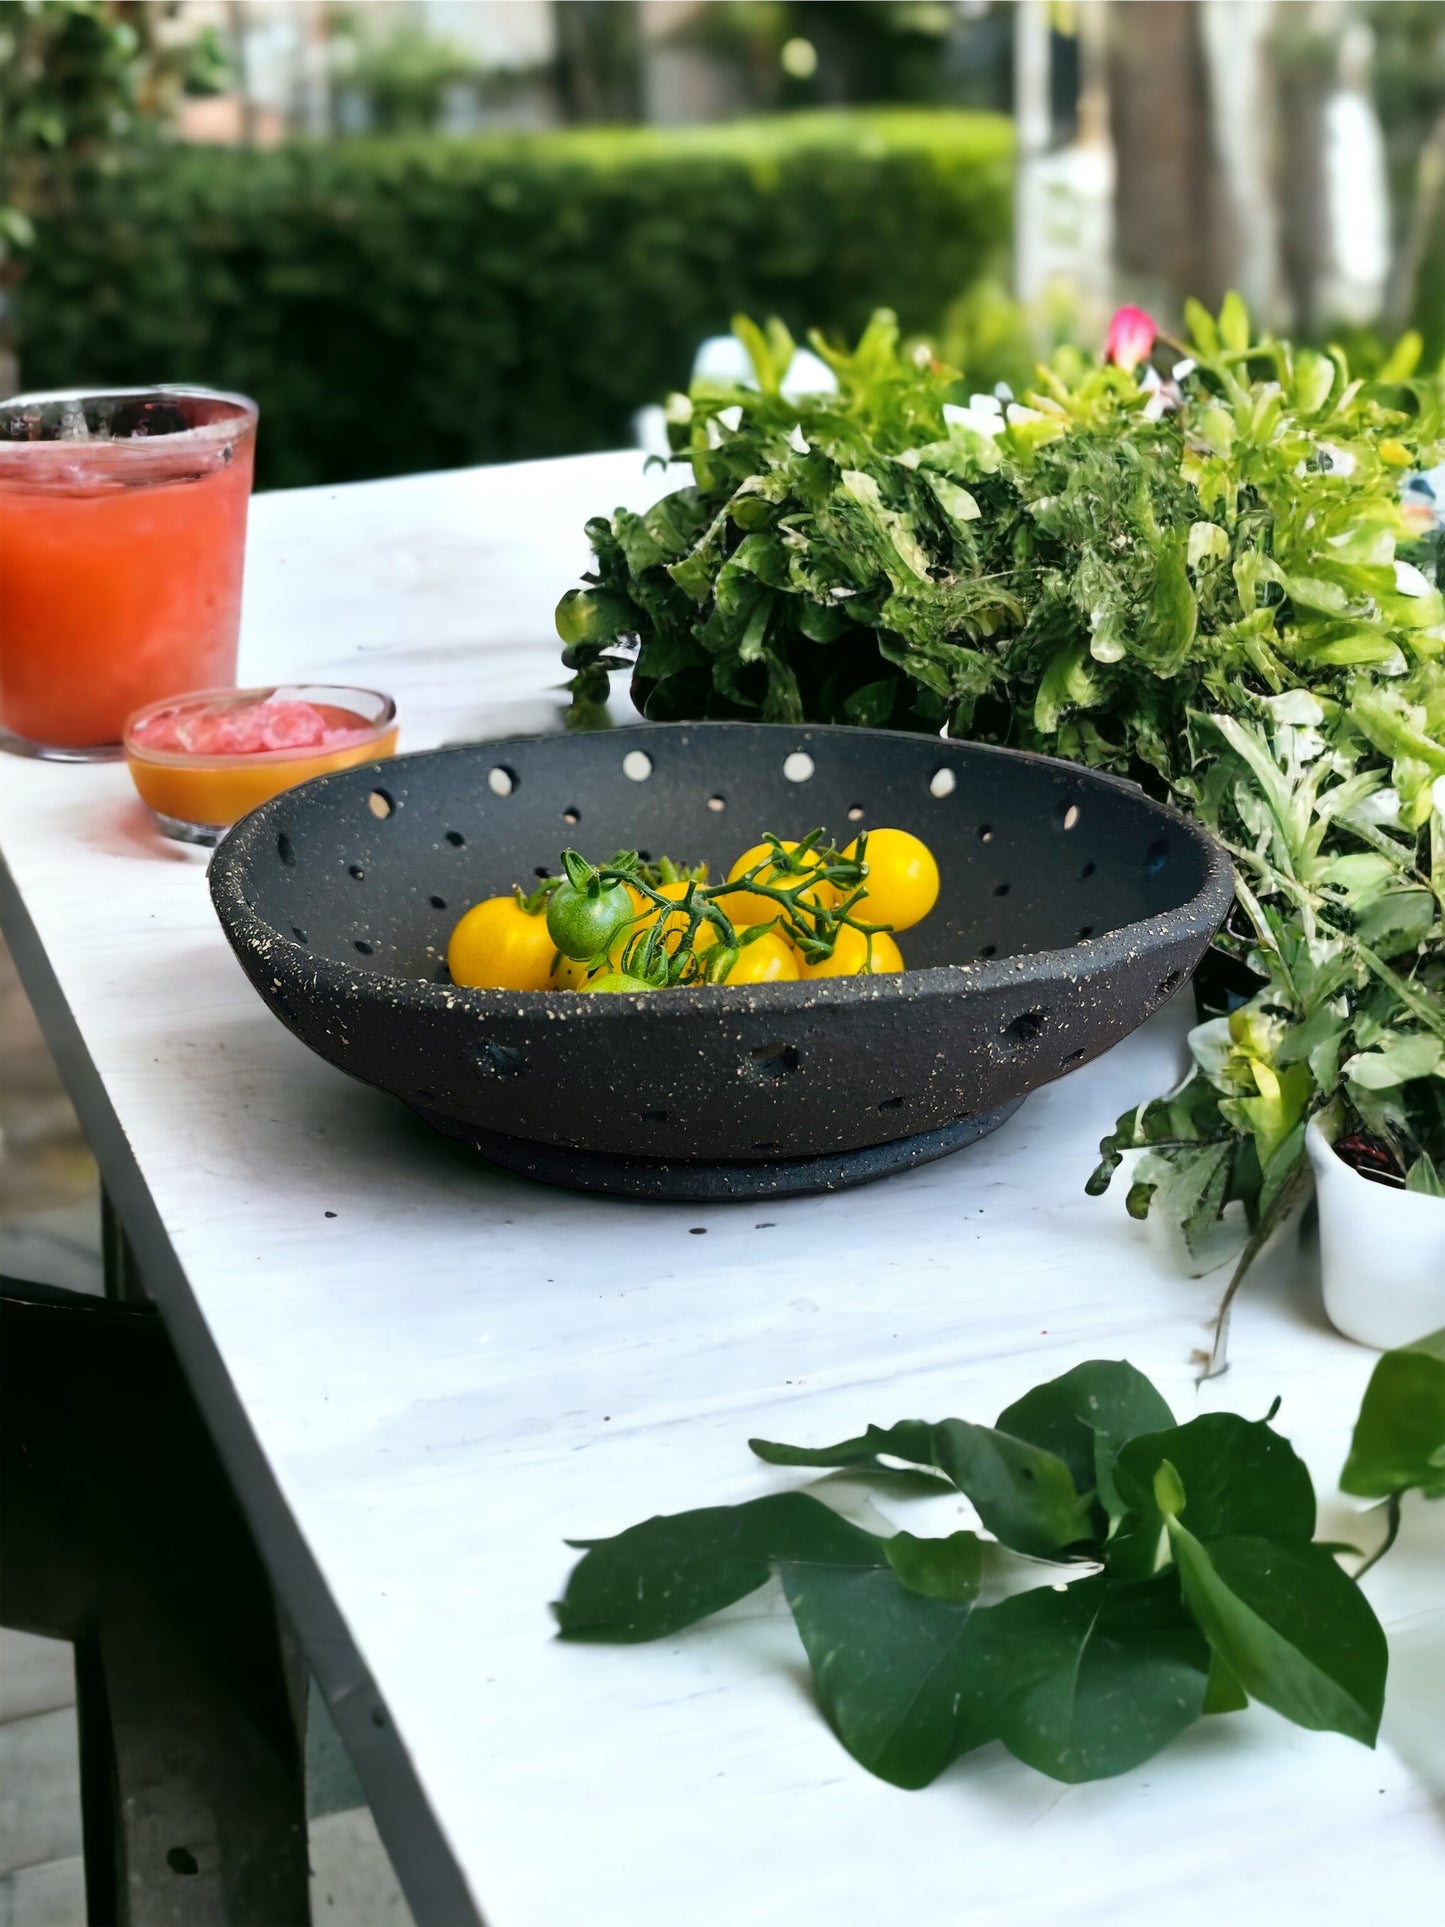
x=1382, y=1235
x=1213, y=579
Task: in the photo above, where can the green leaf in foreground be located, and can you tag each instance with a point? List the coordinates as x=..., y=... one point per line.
x=1085, y=1416
x=1294, y=1630
x=669, y=1571
x=1087, y=1682
x=1239, y=1476
x=889, y=1666
x=1212, y=1592
x=1024, y=1496
x=1399, y=1441
x=1224, y=1694
x=950, y=1568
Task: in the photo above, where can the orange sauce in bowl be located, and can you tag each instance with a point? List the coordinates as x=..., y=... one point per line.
x=198, y=760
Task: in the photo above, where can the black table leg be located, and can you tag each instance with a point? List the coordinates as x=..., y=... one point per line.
x=122, y=1536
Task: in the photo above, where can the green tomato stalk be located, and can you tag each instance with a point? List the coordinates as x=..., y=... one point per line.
x=584, y=907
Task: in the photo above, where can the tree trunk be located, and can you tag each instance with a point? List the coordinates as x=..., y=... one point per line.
x=1171, y=221
x=599, y=59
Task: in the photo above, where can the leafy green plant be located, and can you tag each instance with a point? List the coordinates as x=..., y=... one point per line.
x=401, y=78
x=405, y=304
x=1182, y=1579
x=80, y=80
x=1211, y=587
x=1399, y=1441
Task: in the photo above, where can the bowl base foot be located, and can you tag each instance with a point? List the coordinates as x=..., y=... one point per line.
x=726, y=1181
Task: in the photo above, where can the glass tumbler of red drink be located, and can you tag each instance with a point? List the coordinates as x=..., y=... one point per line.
x=122, y=536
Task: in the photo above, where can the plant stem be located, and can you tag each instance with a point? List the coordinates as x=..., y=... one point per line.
x=1392, y=1532
x=1288, y=1196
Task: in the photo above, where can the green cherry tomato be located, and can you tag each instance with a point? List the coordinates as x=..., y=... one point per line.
x=614, y=982
x=583, y=925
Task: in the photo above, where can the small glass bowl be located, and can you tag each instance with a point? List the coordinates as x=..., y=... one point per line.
x=197, y=794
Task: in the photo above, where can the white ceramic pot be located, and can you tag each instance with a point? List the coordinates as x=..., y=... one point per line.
x=1382, y=1252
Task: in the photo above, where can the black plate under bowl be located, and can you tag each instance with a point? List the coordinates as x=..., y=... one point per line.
x=1071, y=907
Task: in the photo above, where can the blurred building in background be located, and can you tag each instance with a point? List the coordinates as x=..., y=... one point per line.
x=1293, y=149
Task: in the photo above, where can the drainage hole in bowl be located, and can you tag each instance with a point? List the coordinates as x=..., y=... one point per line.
x=1087, y=871
x=855, y=812
x=773, y=1060
x=1076, y=1056
x=541, y=870
x=1170, y=984
x=717, y=803
x=355, y=870
x=572, y=815
x=891, y=1104
x=456, y=839
x=298, y=933
x=503, y=1060
x=1028, y=1025
x=1002, y=889
x=1067, y=815
x=766, y=1144
x=437, y=903
x=653, y=1117
x=1085, y=930
x=366, y=949
x=381, y=804
x=637, y=766
x=426, y=1097
x=988, y=950
x=1156, y=856
x=501, y=781
x=799, y=767
x=943, y=782
x=285, y=851
x=985, y=833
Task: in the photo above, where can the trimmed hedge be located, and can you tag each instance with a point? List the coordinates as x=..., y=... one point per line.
x=416, y=304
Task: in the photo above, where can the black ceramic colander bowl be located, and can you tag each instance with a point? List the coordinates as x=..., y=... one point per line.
x=1071, y=907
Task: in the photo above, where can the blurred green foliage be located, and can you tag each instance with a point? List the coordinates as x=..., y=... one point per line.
x=863, y=50
x=401, y=79
x=404, y=305
x=79, y=79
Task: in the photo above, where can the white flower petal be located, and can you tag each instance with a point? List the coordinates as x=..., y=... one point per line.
x=974, y=418
x=1381, y=807
x=1409, y=580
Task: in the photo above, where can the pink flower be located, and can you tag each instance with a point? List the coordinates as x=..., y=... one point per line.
x=1130, y=338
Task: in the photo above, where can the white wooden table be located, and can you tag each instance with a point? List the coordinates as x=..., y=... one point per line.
x=424, y=1374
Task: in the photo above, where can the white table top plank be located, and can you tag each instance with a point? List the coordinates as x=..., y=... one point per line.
x=458, y=1370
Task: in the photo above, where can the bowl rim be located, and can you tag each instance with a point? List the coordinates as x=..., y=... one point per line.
x=253, y=758
x=1076, y=962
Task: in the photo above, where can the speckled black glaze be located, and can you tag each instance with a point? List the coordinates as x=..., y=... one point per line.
x=1071, y=907
x=725, y=1180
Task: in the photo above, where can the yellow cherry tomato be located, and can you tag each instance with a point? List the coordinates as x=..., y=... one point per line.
x=902, y=879
x=769, y=959
x=742, y=908
x=850, y=956
x=497, y=946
